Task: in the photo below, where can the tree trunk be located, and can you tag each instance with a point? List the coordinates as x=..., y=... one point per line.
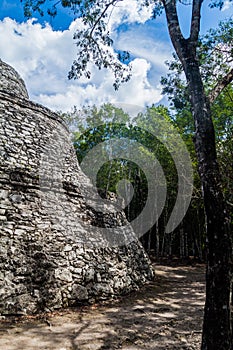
x=157, y=239
x=217, y=320
x=182, y=244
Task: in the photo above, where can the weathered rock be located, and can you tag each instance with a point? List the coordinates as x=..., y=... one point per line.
x=49, y=256
x=79, y=293
x=11, y=81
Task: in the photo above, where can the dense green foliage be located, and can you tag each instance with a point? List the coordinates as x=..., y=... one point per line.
x=92, y=126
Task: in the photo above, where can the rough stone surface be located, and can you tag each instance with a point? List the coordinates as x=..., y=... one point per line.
x=11, y=81
x=49, y=258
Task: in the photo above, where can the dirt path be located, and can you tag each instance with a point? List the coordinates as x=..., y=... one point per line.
x=166, y=314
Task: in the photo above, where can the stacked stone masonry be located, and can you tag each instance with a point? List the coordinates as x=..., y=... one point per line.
x=48, y=256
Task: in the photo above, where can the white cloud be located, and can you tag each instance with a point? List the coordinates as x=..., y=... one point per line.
x=140, y=42
x=226, y=5
x=128, y=12
x=43, y=58
x=137, y=91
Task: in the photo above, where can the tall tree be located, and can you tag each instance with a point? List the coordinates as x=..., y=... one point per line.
x=94, y=44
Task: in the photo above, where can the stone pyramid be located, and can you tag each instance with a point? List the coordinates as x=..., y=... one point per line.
x=56, y=250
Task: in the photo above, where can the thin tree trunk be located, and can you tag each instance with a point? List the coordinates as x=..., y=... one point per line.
x=217, y=322
x=181, y=242
x=170, y=245
x=186, y=245
x=163, y=244
x=157, y=239
x=198, y=238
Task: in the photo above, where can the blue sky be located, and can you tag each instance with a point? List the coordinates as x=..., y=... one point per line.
x=43, y=54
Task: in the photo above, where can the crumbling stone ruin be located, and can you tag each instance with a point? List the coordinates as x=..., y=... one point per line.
x=49, y=256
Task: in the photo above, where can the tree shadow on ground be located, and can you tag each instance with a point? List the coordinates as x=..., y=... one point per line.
x=165, y=314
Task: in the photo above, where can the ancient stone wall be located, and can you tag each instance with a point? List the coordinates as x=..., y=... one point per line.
x=49, y=258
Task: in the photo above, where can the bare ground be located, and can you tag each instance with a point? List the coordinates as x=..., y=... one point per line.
x=165, y=314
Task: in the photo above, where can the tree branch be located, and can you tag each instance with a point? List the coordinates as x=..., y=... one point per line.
x=195, y=21
x=112, y=3
x=174, y=27
x=226, y=80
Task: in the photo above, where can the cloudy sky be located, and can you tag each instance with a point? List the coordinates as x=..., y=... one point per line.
x=42, y=51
